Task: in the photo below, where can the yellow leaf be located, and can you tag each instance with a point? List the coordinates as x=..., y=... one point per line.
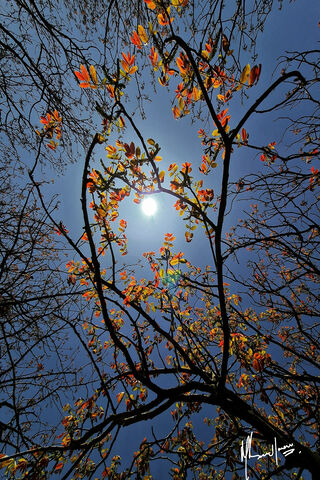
x=181, y=103
x=244, y=76
x=93, y=74
x=161, y=176
x=101, y=212
x=7, y=463
x=151, y=29
x=100, y=138
x=174, y=261
x=142, y=34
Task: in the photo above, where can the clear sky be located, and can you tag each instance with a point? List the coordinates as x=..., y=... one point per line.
x=294, y=27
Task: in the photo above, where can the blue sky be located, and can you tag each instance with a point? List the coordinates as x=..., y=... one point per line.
x=295, y=27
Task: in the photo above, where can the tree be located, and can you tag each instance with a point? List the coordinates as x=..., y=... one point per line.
x=185, y=336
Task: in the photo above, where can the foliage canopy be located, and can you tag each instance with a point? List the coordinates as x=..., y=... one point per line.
x=239, y=334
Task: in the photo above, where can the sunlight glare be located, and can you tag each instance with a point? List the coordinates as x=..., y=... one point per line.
x=149, y=206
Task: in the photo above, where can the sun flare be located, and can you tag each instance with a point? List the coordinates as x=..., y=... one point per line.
x=149, y=206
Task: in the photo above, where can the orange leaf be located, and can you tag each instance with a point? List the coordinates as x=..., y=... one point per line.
x=154, y=56
x=180, y=63
x=244, y=136
x=163, y=19
x=85, y=73
x=176, y=112
x=79, y=76
x=120, y=396
x=150, y=4
x=135, y=39
x=125, y=66
x=127, y=63
x=128, y=58
x=56, y=116
x=195, y=94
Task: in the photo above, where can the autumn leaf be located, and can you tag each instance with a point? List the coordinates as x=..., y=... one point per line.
x=244, y=76
x=56, y=116
x=163, y=80
x=163, y=17
x=121, y=122
x=154, y=57
x=186, y=167
x=188, y=236
x=120, y=396
x=195, y=94
x=83, y=76
x=176, y=112
x=142, y=34
x=161, y=176
x=179, y=3
x=150, y=4
x=127, y=63
x=254, y=75
x=135, y=39
x=93, y=74
x=244, y=136
x=182, y=63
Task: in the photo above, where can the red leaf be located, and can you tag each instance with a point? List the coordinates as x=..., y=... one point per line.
x=59, y=466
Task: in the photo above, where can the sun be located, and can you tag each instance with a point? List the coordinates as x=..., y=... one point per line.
x=149, y=206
